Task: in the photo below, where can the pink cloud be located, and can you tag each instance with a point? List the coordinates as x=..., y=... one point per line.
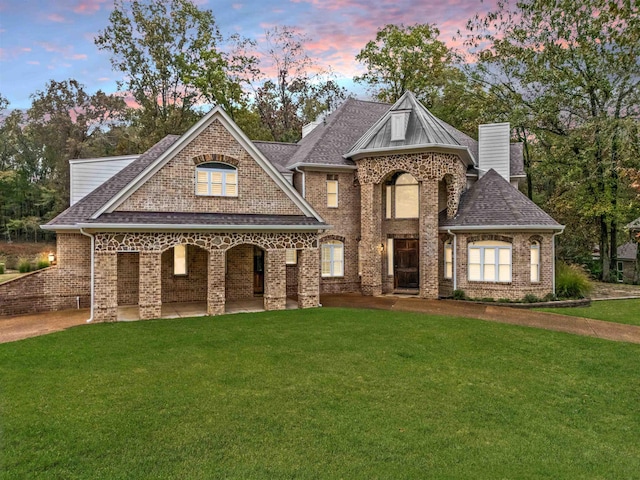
x=78, y=56
x=56, y=17
x=33, y=62
x=88, y=7
x=237, y=6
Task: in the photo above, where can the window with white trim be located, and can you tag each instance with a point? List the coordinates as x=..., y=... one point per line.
x=332, y=191
x=291, y=255
x=535, y=262
x=448, y=259
x=390, y=257
x=180, y=260
x=215, y=179
x=489, y=261
x=332, y=261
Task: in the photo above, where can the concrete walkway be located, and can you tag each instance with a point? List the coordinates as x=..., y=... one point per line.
x=529, y=318
x=24, y=326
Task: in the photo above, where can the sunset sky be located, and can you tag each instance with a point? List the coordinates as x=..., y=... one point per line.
x=53, y=39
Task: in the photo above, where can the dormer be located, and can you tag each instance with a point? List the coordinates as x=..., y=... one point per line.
x=399, y=123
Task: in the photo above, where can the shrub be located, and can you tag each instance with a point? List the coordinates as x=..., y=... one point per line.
x=24, y=265
x=1, y=268
x=549, y=297
x=572, y=281
x=42, y=264
x=504, y=300
x=487, y=299
x=459, y=295
x=530, y=298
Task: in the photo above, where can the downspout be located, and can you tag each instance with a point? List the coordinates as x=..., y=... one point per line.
x=297, y=169
x=93, y=242
x=454, y=259
x=553, y=256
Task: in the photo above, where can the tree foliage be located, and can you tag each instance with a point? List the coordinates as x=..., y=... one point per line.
x=290, y=90
x=571, y=70
x=406, y=58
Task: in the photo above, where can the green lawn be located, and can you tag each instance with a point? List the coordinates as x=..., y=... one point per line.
x=324, y=393
x=5, y=277
x=621, y=311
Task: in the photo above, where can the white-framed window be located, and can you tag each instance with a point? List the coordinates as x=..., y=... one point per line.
x=535, y=262
x=215, y=179
x=388, y=211
x=180, y=260
x=489, y=261
x=291, y=256
x=332, y=191
x=448, y=259
x=620, y=271
x=332, y=260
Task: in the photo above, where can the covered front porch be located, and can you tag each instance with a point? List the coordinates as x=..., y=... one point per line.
x=168, y=275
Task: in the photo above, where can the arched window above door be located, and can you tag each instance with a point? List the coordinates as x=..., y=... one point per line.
x=402, y=197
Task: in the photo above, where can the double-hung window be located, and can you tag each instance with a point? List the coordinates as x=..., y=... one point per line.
x=489, y=261
x=216, y=179
x=332, y=259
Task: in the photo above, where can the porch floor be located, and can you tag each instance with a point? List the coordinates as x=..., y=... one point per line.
x=129, y=313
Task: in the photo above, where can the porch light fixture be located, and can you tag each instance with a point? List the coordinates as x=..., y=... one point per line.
x=381, y=248
x=52, y=258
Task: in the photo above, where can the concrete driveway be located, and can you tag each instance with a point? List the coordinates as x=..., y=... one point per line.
x=17, y=327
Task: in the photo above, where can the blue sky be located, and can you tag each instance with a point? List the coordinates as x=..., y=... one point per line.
x=42, y=40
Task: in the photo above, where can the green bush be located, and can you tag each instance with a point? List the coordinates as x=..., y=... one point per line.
x=1, y=268
x=42, y=264
x=504, y=300
x=572, y=281
x=24, y=265
x=530, y=298
x=549, y=297
x=459, y=295
x=487, y=299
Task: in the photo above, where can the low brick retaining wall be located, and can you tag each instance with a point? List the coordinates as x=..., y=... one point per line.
x=43, y=291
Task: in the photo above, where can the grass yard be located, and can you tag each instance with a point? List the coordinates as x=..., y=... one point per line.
x=620, y=311
x=5, y=277
x=324, y=393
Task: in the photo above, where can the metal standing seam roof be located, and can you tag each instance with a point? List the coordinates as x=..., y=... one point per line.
x=423, y=128
x=492, y=201
x=634, y=226
x=627, y=251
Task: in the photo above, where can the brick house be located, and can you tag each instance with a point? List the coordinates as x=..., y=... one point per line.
x=373, y=199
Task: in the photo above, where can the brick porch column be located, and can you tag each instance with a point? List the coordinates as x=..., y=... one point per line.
x=428, y=238
x=150, y=296
x=370, y=228
x=275, y=280
x=308, y=278
x=105, y=307
x=216, y=283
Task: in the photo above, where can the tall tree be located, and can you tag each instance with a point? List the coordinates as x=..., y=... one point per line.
x=405, y=58
x=65, y=122
x=168, y=51
x=574, y=67
x=289, y=88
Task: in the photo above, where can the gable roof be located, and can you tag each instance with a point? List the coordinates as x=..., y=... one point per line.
x=88, y=205
x=422, y=130
x=627, y=251
x=634, y=226
x=107, y=197
x=277, y=153
x=492, y=202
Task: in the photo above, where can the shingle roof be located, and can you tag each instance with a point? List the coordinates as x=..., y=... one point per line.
x=327, y=142
x=213, y=219
x=627, y=251
x=492, y=201
x=277, y=153
x=87, y=206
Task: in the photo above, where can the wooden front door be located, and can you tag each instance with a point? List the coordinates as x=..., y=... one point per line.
x=258, y=271
x=406, y=263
